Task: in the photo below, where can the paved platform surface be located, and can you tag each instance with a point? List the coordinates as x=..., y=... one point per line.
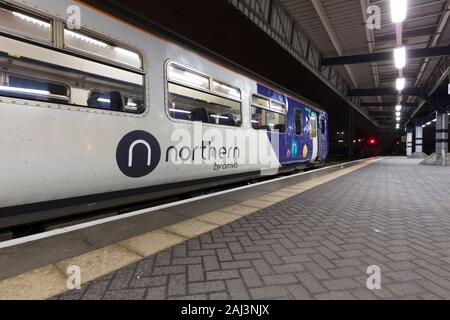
x=315, y=245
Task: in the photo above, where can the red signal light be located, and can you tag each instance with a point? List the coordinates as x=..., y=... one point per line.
x=372, y=141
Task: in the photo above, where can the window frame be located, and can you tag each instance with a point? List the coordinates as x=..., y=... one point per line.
x=269, y=109
x=197, y=88
x=50, y=95
x=98, y=58
x=32, y=14
x=79, y=54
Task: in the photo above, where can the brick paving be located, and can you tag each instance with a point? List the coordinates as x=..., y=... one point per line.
x=316, y=245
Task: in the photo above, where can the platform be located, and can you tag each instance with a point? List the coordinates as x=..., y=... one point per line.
x=311, y=240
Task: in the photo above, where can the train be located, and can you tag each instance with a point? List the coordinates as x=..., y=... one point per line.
x=102, y=114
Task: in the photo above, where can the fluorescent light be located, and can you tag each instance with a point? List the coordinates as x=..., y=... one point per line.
x=400, y=57
x=434, y=120
x=398, y=114
x=397, y=118
x=428, y=123
x=400, y=84
x=131, y=104
x=179, y=111
x=424, y=126
x=24, y=90
x=398, y=10
x=32, y=20
x=104, y=100
x=398, y=107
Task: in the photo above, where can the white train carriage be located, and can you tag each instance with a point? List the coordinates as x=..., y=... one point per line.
x=107, y=114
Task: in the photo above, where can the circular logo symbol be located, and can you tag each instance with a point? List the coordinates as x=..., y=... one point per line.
x=305, y=151
x=294, y=148
x=138, y=154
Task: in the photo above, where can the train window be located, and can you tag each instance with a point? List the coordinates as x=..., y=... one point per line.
x=263, y=119
x=226, y=90
x=261, y=102
x=36, y=28
x=277, y=107
x=182, y=75
x=298, y=122
x=99, y=48
x=192, y=98
x=43, y=74
x=24, y=87
x=116, y=101
x=194, y=105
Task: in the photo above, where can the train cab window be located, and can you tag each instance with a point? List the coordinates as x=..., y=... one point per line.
x=268, y=115
x=298, y=122
x=190, y=98
x=99, y=48
x=25, y=24
x=322, y=126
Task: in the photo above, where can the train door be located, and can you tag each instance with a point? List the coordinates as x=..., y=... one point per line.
x=319, y=136
x=313, y=136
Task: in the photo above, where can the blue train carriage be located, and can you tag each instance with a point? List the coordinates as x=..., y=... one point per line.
x=302, y=130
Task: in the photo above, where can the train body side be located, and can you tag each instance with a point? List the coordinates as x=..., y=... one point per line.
x=56, y=155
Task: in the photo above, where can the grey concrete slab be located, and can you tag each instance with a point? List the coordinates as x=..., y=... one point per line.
x=197, y=208
x=244, y=195
x=28, y=256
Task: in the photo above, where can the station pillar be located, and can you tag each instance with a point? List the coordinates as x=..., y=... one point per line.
x=442, y=132
x=418, y=152
x=409, y=142
x=441, y=156
x=419, y=139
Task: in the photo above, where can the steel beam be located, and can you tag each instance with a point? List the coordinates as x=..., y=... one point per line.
x=386, y=56
x=387, y=104
x=372, y=92
x=320, y=10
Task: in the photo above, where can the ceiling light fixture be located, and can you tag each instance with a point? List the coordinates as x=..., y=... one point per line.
x=400, y=84
x=398, y=10
x=400, y=57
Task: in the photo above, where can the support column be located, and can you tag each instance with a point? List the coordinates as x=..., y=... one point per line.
x=418, y=152
x=441, y=156
x=409, y=142
x=442, y=132
x=419, y=139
